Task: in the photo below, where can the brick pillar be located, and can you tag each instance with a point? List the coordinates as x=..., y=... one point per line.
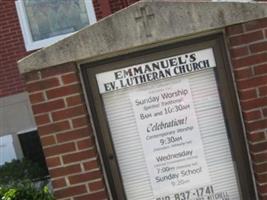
x=66, y=135
x=248, y=49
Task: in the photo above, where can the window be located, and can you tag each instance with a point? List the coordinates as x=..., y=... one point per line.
x=25, y=144
x=32, y=148
x=7, y=149
x=44, y=22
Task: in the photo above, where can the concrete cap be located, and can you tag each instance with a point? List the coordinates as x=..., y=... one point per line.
x=146, y=22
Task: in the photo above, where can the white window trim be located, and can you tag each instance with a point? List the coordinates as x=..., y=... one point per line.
x=27, y=130
x=25, y=28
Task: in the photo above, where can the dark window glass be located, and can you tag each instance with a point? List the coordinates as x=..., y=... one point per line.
x=32, y=148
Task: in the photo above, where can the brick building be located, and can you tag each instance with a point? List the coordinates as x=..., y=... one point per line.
x=84, y=105
x=17, y=126
x=13, y=48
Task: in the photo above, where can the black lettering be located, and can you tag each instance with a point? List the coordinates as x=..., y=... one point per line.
x=109, y=86
x=127, y=73
x=182, y=69
x=118, y=75
x=181, y=60
x=164, y=64
x=137, y=70
x=155, y=66
x=192, y=57
x=147, y=69
x=173, y=62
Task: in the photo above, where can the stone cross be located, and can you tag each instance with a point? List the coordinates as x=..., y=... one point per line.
x=145, y=16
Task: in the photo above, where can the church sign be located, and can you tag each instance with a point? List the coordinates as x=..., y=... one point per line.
x=155, y=70
x=168, y=124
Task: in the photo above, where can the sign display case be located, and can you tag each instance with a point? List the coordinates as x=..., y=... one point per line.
x=168, y=124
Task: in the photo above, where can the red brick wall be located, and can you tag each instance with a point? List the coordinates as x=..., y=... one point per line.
x=248, y=49
x=116, y=5
x=12, y=45
x=11, y=49
x=104, y=8
x=65, y=132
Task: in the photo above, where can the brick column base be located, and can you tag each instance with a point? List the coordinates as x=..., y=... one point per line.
x=65, y=132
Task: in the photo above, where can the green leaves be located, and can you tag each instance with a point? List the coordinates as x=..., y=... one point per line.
x=25, y=190
x=20, y=180
x=19, y=170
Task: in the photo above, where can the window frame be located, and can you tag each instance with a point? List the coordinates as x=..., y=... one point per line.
x=26, y=32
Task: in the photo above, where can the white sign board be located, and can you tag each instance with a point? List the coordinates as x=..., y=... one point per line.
x=169, y=135
x=156, y=70
x=169, y=132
